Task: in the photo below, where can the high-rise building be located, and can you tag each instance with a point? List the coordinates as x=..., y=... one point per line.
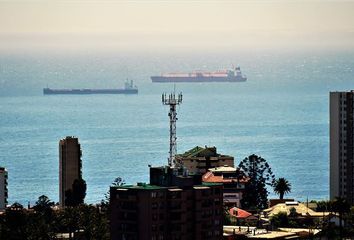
x=69, y=165
x=3, y=188
x=173, y=206
x=341, y=145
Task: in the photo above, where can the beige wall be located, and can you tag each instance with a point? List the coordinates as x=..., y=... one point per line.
x=198, y=165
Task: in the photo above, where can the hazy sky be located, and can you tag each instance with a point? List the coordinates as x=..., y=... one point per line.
x=185, y=24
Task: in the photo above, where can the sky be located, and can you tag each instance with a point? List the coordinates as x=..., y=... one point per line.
x=158, y=24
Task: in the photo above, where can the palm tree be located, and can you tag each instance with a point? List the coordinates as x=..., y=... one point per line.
x=281, y=186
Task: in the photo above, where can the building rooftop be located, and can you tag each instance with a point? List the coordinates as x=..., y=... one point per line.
x=301, y=209
x=210, y=177
x=147, y=186
x=211, y=184
x=258, y=233
x=224, y=168
x=239, y=213
x=140, y=186
x=201, y=152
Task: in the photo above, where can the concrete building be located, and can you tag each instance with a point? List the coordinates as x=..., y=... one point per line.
x=69, y=165
x=3, y=188
x=198, y=160
x=341, y=145
x=171, y=207
x=233, y=181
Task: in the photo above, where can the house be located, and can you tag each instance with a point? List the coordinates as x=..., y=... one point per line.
x=242, y=217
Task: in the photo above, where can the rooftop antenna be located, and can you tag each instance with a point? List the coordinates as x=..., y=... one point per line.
x=172, y=100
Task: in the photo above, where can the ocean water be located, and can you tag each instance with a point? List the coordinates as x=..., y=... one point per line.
x=280, y=113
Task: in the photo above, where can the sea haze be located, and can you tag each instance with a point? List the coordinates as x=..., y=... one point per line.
x=280, y=113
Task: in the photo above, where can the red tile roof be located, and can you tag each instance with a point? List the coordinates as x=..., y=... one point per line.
x=210, y=177
x=239, y=213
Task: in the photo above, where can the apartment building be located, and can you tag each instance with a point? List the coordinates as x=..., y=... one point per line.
x=69, y=165
x=171, y=207
x=3, y=188
x=341, y=145
x=198, y=160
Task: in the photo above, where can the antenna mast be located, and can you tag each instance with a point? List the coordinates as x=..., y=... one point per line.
x=172, y=100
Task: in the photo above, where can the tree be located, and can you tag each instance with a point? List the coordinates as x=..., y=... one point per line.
x=76, y=195
x=281, y=186
x=118, y=181
x=104, y=205
x=43, y=204
x=14, y=223
x=93, y=222
x=280, y=219
x=40, y=224
x=341, y=206
x=260, y=174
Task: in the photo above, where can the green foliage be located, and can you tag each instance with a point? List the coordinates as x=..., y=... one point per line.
x=13, y=223
x=77, y=195
x=281, y=186
x=293, y=213
x=118, y=181
x=261, y=175
x=18, y=223
x=104, y=205
x=280, y=220
x=324, y=206
x=346, y=218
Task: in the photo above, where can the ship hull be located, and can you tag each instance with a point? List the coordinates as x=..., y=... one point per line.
x=162, y=79
x=48, y=91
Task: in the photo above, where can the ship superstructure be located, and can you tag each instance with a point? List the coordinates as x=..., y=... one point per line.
x=234, y=75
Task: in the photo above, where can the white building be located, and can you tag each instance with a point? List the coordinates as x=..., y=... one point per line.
x=3, y=188
x=341, y=145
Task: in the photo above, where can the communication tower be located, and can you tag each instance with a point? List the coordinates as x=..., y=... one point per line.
x=172, y=100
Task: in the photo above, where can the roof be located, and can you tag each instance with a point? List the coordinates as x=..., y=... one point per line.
x=239, y=213
x=272, y=235
x=211, y=178
x=197, y=151
x=259, y=233
x=224, y=168
x=191, y=153
x=201, y=152
x=300, y=208
x=301, y=230
x=211, y=184
x=139, y=186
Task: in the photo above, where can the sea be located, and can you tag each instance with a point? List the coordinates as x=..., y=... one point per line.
x=281, y=114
